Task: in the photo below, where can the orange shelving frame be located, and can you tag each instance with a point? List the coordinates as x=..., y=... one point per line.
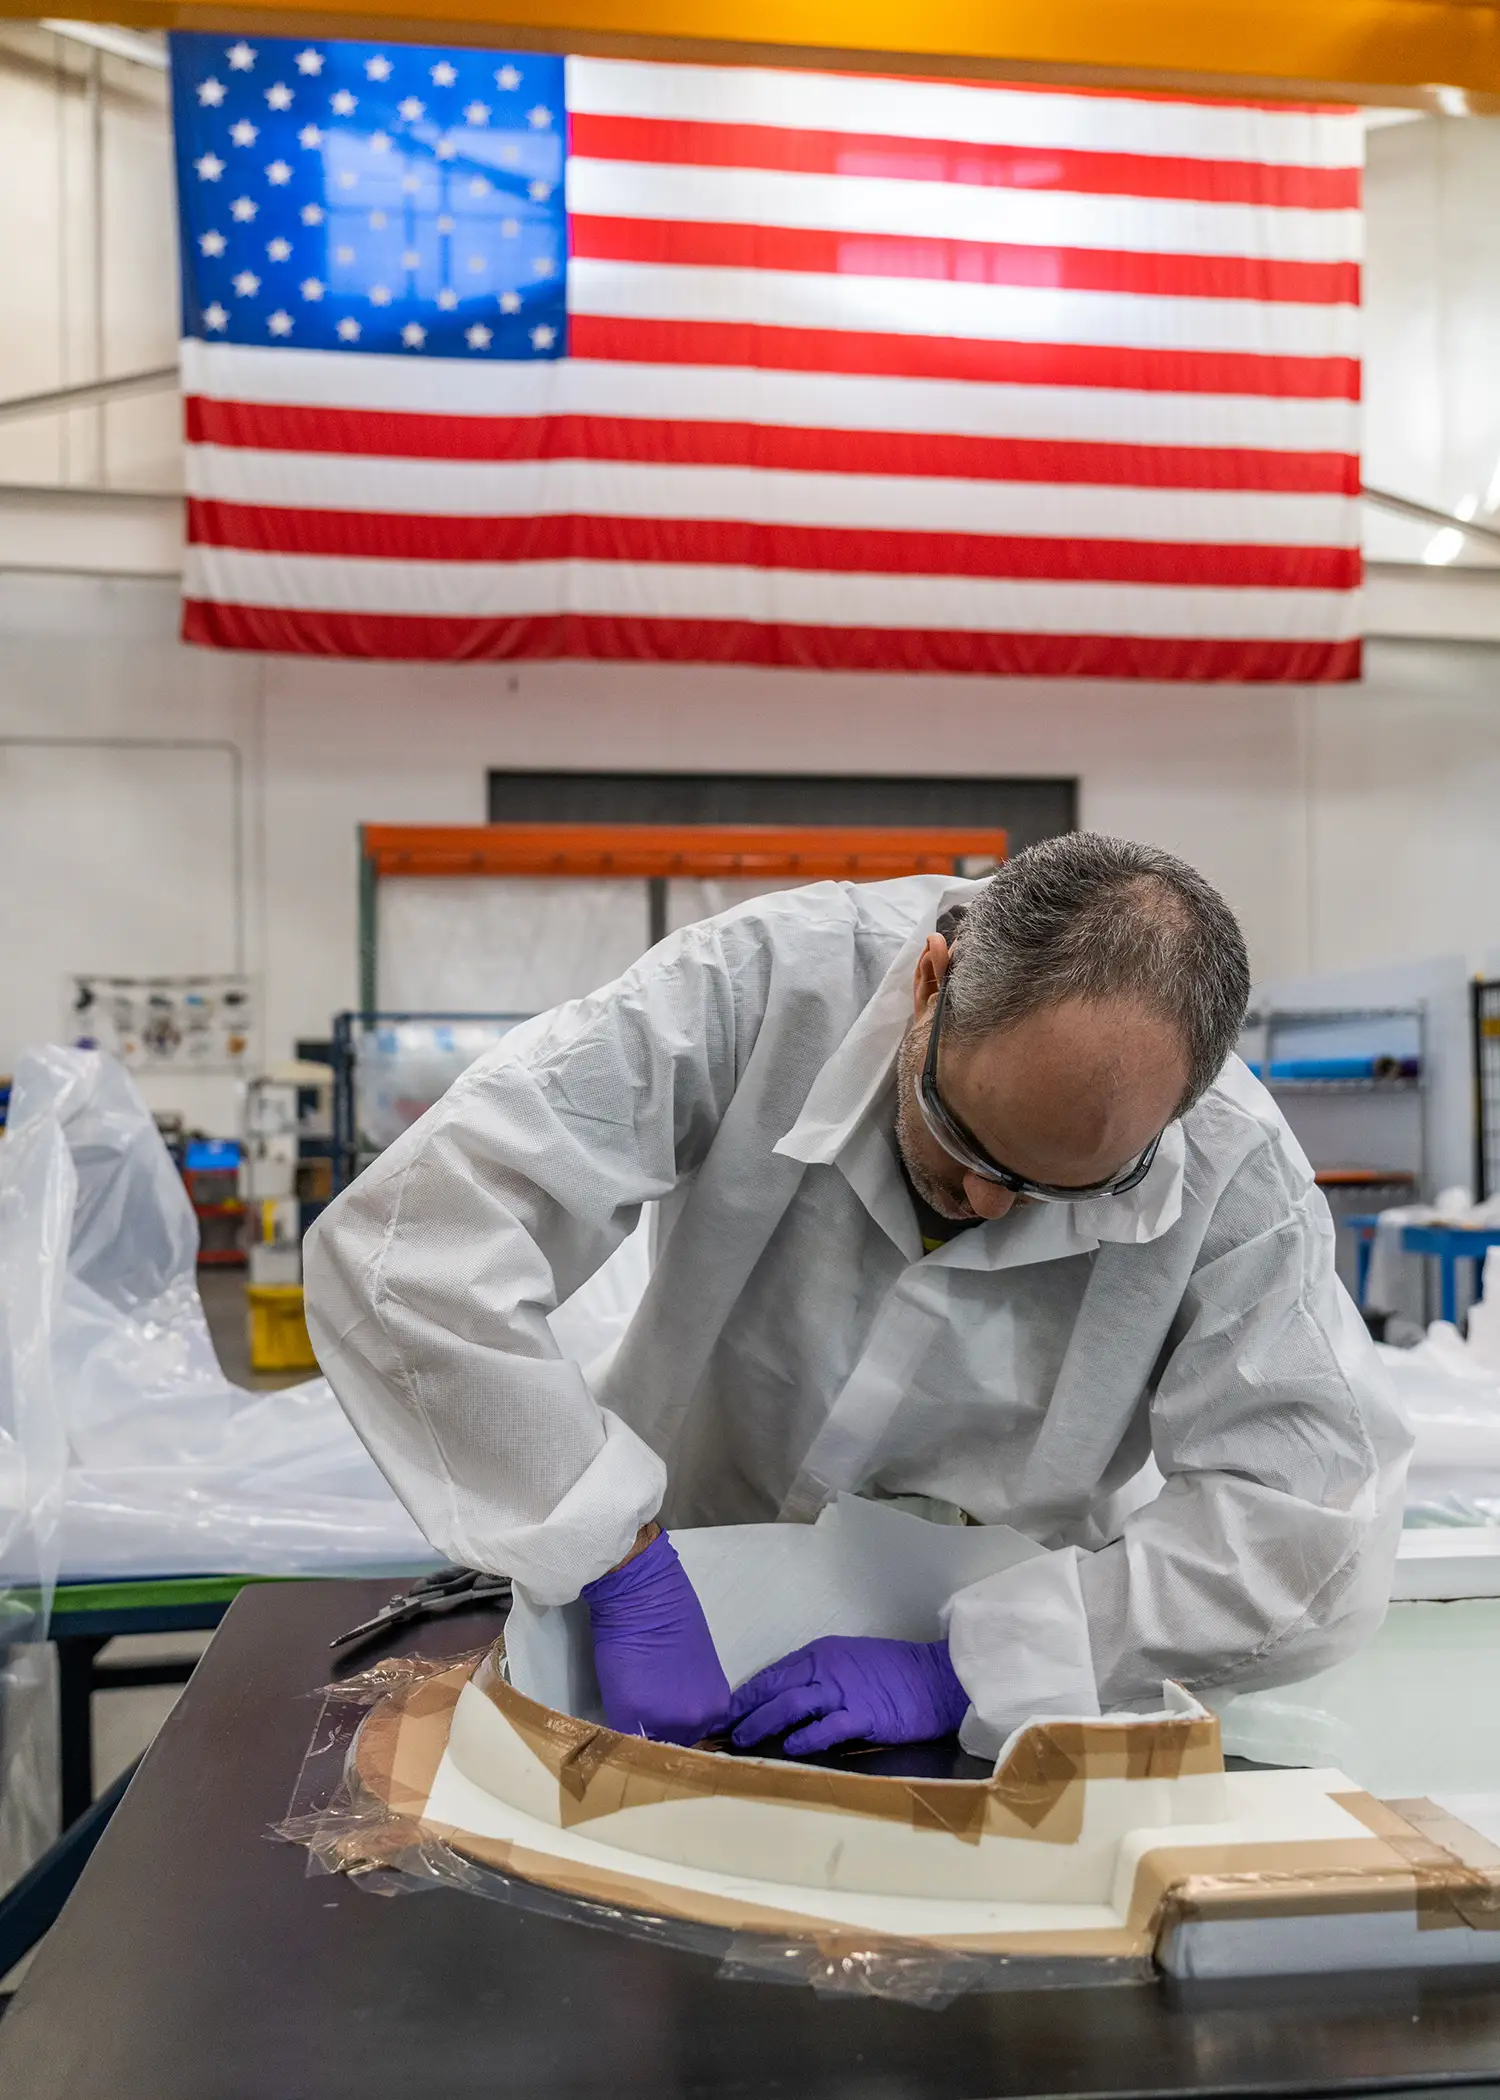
x=789, y=853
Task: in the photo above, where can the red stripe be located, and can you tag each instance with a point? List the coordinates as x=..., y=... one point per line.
x=685, y=142
x=952, y=357
x=403, y=638
x=968, y=262
x=384, y=536
x=642, y=440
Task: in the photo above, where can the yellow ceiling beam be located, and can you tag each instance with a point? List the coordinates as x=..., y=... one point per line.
x=1358, y=50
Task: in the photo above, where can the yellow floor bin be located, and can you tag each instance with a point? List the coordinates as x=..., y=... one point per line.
x=278, y=1328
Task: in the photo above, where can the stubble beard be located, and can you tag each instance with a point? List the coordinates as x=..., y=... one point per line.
x=911, y=1131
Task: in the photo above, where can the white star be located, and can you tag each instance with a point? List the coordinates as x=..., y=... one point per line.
x=445, y=149
x=211, y=243
x=247, y=284
x=210, y=93
x=279, y=323
x=476, y=264
x=414, y=335
x=510, y=153
x=510, y=302
x=539, y=118
x=309, y=136
x=244, y=209
x=278, y=250
x=349, y=329
x=539, y=192
x=479, y=337
x=346, y=178
x=477, y=113
x=543, y=266
x=241, y=56
x=311, y=287
x=478, y=187
x=209, y=167
x=543, y=338
x=215, y=317
x=509, y=228
x=410, y=260
x=377, y=68
x=309, y=61
x=244, y=133
x=379, y=221
x=380, y=142
x=411, y=109
x=279, y=172
x=508, y=79
x=447, y=298
x=312, y=214
x=342, y=103
x=343, y=255
x=443, y=74
x=279, y=96
x=380, y=295
x=411, y=183
x=445, y=224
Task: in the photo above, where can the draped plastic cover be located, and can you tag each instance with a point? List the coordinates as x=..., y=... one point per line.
x=123, y=1448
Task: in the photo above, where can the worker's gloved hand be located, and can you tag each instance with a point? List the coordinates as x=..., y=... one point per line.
x=659, y=1673
x=851, y=1690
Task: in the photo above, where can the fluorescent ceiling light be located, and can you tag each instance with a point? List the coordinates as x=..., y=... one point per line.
x=119, y=43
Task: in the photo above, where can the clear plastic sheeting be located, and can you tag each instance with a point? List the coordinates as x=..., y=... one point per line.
x=402, y=1067
x=487, y=944
x=1415, y=1713
x=1451, y=1397
x=349, y=1829
x=126, y=1450
x=38, y=1197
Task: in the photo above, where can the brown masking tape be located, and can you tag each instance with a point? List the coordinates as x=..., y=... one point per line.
x=1455, y=1871
x=1037, y=1794
x=398, y=1760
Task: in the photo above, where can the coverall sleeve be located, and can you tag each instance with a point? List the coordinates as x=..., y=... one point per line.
x=1267, y=1555
x=430, y=1279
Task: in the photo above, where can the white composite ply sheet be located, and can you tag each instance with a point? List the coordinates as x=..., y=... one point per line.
x=863, y=1568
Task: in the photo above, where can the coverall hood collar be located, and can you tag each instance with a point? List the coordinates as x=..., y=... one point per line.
x=848, y=1120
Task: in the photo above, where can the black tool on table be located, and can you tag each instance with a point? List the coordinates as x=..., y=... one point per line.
x=447, y=1589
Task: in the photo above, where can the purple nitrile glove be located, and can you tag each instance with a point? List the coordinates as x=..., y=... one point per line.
x=659, y=1673
x=851, y=1690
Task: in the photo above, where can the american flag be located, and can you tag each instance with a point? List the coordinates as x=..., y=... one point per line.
x=502, y=355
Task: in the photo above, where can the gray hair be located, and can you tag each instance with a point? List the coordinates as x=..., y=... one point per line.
x=1088, y=917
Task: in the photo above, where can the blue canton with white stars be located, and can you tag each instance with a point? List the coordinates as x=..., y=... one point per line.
x=371, y=197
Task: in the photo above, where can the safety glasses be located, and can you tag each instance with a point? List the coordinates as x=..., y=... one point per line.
x=971, y=1155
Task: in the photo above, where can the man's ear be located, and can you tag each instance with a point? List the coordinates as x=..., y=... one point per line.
x=932, y=968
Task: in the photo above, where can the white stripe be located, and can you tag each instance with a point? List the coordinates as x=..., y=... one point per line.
x=798, y=101
x=737, y=394
x=939, y=307
x=959, y=211
x=619, y=489
x=480, y=590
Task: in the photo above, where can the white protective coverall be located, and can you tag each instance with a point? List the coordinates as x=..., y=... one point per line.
x=793, y=1341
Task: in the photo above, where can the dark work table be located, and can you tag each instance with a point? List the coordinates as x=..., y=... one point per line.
x=198, y=1961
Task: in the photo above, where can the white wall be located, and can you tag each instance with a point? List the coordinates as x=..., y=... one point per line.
x=1348, y=826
